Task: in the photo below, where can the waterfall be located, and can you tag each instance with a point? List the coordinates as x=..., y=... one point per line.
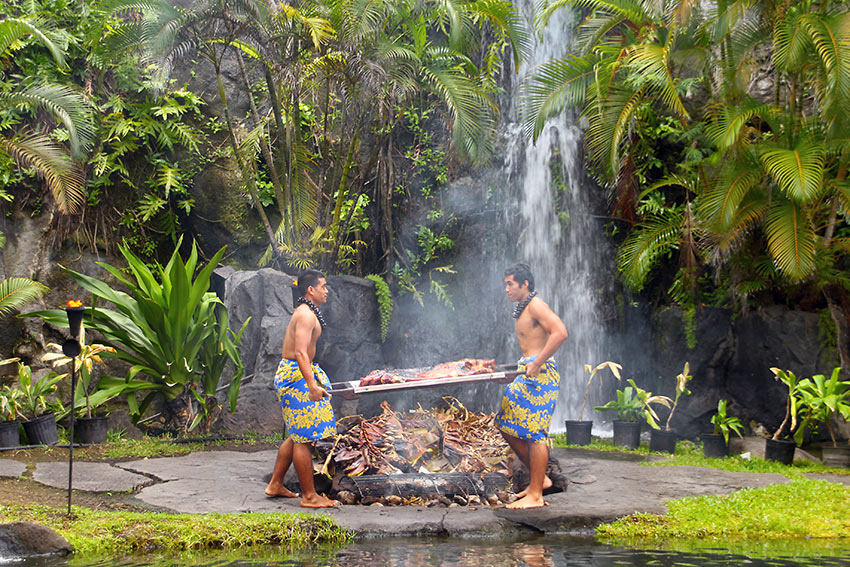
x=559, y=238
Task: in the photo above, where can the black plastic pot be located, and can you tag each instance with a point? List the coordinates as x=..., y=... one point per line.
x=781, y=450
x=9, y=434
x=714, y=446
x=578, y=432
x=663, y=440
x=627, y=434
x=837, y=457
x=42, y=430
x=91, y=430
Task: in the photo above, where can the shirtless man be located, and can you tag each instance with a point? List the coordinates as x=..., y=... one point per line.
x=529, y=400
x=302, y=389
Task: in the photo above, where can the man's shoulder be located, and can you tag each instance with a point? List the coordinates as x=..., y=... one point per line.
x=539, y=308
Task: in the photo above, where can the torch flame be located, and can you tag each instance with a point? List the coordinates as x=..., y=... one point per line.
x=73, y=303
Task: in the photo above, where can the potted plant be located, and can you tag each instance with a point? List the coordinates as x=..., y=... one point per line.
x=579, y=431
x=632, y=404
x=91, y=426
x=821, y=399
x=664, y=440
x=10, y=412
x=716, y=444
x=40, y=424
x=775, y=448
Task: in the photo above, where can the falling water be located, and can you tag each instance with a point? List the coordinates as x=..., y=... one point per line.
x=559, y=238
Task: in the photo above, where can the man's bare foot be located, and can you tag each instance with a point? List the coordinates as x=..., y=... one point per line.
x=527, y=502
x=279, y=492
x=547, y=484
x=318, y=501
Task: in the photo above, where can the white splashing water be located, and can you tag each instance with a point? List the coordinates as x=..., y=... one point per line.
x=559, y=238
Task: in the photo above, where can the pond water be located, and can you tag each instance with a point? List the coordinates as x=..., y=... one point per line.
x=545, y=551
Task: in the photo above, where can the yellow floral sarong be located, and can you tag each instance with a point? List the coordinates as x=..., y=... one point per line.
x=305, y=420
x=528, y=403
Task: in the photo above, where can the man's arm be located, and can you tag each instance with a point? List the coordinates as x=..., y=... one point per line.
x=304, y=323
x=553, y=325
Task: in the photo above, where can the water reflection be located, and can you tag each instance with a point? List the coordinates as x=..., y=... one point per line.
x=535, y=552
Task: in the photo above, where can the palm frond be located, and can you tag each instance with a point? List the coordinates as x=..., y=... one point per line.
x=731, y=126
x=651, y=62
x=654, y=237
x=474, y=123
x=798, y=171
x=632, y=10
x=66, y=104
x=506, y=18
x=554, y=86
x=790, y=238
x=63, y=176
x=723, y=199
x=609, y=120
x=17, y=292
x=13, y=29
x=790, y=42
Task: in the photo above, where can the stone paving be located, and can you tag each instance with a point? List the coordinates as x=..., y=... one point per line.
x=603, y=487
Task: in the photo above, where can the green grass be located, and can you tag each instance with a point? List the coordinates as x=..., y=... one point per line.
x=800, y=509
x=107, y=532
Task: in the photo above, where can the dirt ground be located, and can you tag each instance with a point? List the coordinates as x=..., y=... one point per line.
x=24, y=490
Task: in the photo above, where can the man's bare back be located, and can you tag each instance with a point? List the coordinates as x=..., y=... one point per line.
x=301, y=317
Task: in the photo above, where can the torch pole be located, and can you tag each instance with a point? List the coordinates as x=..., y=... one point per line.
x=71, y=440
x=72, y=348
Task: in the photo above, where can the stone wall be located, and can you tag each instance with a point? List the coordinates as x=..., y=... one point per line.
x=349, y=348
x=731, y=360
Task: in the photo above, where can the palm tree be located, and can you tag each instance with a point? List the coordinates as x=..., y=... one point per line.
x=32, y=148
x=352, y=63
x=625, y=61
x=770, y=199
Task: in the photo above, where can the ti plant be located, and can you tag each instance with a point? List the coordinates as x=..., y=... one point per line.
x=793, y=383
x=723, y=423
x=612, y=366
x=682, y=380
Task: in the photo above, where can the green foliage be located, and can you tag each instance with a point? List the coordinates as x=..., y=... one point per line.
x=633, y=403
x=420, y=266
x=385, y=302
x=165, y=327
x=30, y=398
x=724, y=424
x=820, y=399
